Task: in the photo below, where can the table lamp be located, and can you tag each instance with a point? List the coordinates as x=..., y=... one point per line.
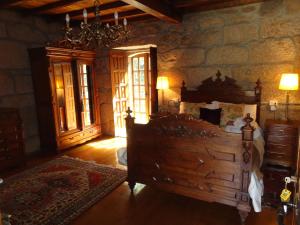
x=162, y=84
x=288, y=82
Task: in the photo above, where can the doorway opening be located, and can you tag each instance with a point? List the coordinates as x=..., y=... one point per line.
x=133, y=75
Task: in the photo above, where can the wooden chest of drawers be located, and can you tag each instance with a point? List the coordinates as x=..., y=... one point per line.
x=281, y=142
x=11, y=138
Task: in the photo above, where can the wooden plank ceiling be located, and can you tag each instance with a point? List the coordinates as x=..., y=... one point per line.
x=166, y=10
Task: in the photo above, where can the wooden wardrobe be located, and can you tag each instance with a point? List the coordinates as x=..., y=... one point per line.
x=66, y=96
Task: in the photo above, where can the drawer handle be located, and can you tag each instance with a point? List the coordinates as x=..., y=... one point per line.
x=210, y=190
x=168, y=179
x=154, y=178
x=201, y=162
x=201, y=188
x=157, y=165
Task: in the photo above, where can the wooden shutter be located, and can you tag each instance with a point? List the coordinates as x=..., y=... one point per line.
x=119, y=79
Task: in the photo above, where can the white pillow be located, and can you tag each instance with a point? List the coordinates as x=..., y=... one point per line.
x=250, y=108
x=191, y=108
x=212, y=105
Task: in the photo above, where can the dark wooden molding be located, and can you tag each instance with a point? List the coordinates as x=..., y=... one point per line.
x=54, y=5
x=106, y=6
x=157, y=8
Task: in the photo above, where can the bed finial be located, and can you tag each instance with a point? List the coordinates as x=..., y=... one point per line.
x=218, y=74
x=248, y=119
x=129, y=111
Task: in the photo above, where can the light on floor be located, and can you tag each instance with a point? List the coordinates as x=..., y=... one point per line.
x=113, y=143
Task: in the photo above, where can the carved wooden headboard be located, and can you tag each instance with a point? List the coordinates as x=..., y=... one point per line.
x=224, y=91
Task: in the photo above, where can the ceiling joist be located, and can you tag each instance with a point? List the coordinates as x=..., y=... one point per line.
x=54, y=5
x=157, y=8
x=106, y=6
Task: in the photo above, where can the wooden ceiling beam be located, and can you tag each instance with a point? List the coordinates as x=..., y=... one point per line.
x=7, y=3
x=157, y=8
x=106, y=6
x=53, y=6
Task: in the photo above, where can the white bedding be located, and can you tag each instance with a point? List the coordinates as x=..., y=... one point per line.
x=256, y=187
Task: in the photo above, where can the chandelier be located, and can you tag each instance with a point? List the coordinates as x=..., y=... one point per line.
x=94, y=34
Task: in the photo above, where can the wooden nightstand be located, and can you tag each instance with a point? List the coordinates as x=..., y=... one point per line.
x=280, y=157
x=281, y=142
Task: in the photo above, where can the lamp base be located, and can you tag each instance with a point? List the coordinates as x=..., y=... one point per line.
x=287, y=106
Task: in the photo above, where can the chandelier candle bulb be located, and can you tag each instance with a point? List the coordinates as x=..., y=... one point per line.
x=107, y=25
x=68, y=20
x=116, y=18
x=85, y=16
x=125, y=22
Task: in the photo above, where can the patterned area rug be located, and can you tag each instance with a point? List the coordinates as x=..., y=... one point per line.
x=57, y=191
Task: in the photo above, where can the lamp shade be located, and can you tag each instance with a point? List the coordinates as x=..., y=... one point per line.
x=289, y=82
x=162, y=83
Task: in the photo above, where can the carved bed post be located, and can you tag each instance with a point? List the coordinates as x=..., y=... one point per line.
x=246, y=167
x=130, y=149
x=258, y=89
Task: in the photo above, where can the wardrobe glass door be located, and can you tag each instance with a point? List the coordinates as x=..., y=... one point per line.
x=86, y=93
x=65, y=100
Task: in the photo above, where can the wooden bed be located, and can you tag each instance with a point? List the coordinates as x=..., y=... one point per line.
x=193, y=157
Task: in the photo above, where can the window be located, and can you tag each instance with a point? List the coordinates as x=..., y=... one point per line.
x=140, y=87
x=85, y=85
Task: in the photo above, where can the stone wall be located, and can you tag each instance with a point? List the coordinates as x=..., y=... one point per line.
x=19, y=32
x=248, y=42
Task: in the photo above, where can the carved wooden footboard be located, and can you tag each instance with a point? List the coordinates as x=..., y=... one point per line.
x=192, y=158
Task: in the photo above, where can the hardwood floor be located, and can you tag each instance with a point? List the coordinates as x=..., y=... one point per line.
x=147, y=205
